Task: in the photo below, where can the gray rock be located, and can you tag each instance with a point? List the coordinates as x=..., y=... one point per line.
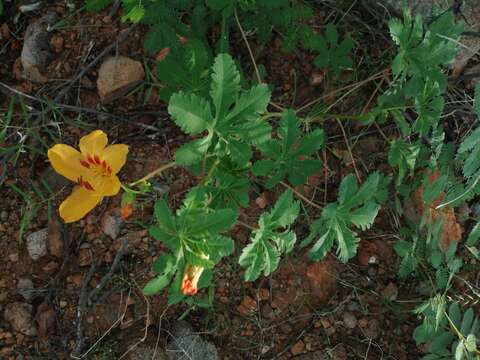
x=349, y=320
x=4, y=216
x=36, y=53
x=37, y=244
x=19, y=315
x=111, y=225
x=25, y=288
x=118, y=75
x=188, y=345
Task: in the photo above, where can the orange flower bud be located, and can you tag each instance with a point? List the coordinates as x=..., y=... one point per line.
x=126, y=211
x=190, y=279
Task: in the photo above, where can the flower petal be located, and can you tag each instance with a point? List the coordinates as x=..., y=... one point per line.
x=115, y=156
x=78, y=204
x=104, y=185
x=66, y=161
x=93, y=143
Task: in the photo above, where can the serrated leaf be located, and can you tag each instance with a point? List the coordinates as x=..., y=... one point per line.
x=193, y=152
x=332, y=56
x=269, y=242
x=474, y=235
x=229, y=190
x=364, y=217
x=250, y=104
x=402, y=247
x=191, y=112
x=470, y=141
x=168, y=239
x=165, y=267
x=403, y=156
x=253, y=259
x=355, y=207
x=164, y=264
x=157, y=284
x=324, y=243
x=284, y=212
x=164, y=216
x=193, y=237
x=225, y=85
x=348, y=188
x=471, y=343
x=347, y=242
x=160, y=36
x=215, y=222
x=366, y=191
x=288, y=156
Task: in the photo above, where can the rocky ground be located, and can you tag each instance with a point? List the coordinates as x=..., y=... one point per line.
x=76, y=290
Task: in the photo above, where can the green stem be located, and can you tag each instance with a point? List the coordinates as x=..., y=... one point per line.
x=153, y=173
x=270, y=115
x=210, y=172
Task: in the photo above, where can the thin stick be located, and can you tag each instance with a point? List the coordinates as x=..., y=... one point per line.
x=364, y=110
x=82, y=308
x=154, y=173
x=257, y=73
x=301, y=196
x=246, y=225
x=470, y=188
x=349, y=151
x=147, y=325
x=355, y=85
x=8, y=90
x=105, y=279
x=114, y=325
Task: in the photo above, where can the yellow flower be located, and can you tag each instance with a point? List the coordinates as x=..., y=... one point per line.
x=94, y=168
x=190, y=279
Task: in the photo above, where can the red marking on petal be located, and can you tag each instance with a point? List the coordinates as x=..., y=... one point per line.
x=88, y=186
x=85, y=164
x=90, y=159
x=109, y=169
x=104, y=164
x=97, y=159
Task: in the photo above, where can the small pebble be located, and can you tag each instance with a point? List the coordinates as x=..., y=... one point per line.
x=349, y=320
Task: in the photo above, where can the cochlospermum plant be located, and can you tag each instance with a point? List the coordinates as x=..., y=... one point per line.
x=227, y=128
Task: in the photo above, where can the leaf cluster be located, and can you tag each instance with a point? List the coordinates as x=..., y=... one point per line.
x=229, y=119
x=356, y=207
x=334, y=55
x=193, y=237
x=272, y=238
x=452, y=335
x=423, y=52
x=291, y=154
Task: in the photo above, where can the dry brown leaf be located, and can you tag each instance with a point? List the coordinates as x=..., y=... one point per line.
x=452, y=230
